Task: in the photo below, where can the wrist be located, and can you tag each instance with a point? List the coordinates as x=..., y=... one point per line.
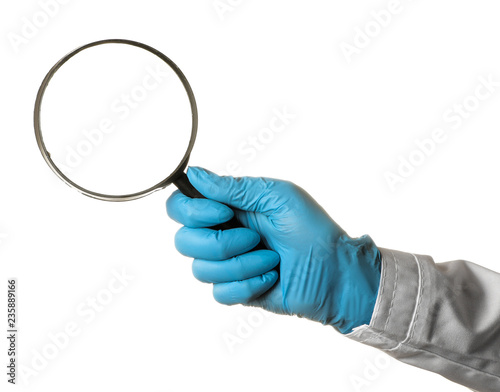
x=359, y=267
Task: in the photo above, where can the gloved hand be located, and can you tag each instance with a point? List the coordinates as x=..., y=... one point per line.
x=311, y=268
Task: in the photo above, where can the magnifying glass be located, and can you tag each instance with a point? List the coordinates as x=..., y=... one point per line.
x=117, y=118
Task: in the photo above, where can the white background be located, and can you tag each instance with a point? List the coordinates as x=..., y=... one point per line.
x=164, y=331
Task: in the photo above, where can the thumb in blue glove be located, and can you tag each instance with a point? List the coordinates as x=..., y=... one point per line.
x=311, y=268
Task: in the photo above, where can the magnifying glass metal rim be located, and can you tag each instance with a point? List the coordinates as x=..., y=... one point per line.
x=100, y=196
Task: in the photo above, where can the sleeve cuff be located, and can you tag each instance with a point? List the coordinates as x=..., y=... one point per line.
x=419, y=319
x=397, y=304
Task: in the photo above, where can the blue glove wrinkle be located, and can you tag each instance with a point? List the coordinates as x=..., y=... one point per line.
x=247, y=193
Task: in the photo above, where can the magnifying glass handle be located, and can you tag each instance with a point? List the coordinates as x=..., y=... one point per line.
x=184, y=185
x=182, y=182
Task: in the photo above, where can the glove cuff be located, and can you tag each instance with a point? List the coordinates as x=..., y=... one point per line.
x=361, y=281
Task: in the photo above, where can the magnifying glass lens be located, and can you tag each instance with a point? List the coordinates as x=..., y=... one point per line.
x=116, y=119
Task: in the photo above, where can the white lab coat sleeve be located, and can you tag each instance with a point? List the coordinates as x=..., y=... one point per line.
x=444, y=318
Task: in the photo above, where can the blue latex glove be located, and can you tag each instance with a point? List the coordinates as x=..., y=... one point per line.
x=312, y=269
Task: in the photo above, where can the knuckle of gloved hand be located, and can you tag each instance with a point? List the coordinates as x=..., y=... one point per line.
x=288, y=188
x=181, y=242
x=220, y=294
x=246, y=268
x=173, y=206
x=198, y=269
x=238, y=292
x=189, y=212
x=240, y=268
x=229, y=243
x=245, y=292
x=220, y=245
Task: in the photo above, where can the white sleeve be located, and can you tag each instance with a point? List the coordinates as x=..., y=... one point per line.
x=440, y=317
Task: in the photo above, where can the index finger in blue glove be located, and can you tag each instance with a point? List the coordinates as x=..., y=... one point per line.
x=197, y=212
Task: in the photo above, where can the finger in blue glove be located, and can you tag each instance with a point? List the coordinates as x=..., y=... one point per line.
x=323, y=274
